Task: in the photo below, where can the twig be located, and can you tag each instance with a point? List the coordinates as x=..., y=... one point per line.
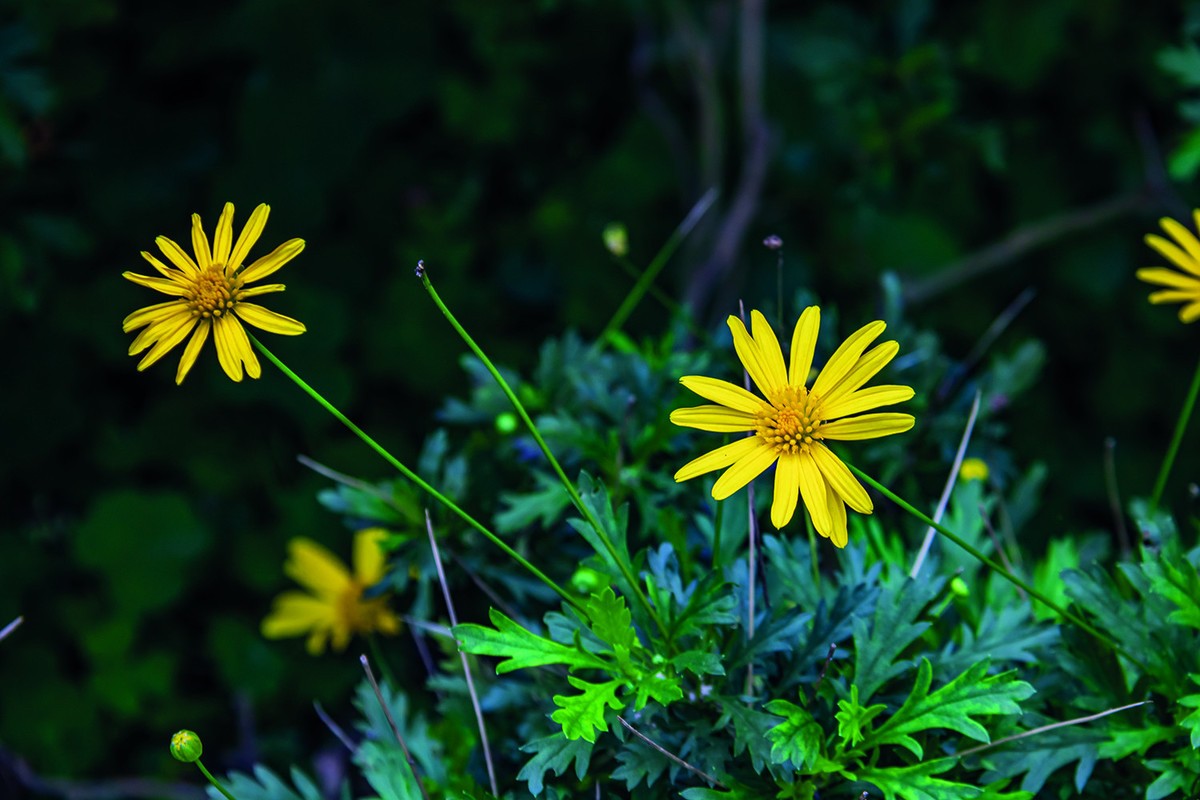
x=387, y=712
x=333, y=727
x=343, y=478
x=1052, y=726
x=483, y=737
x=711, y=780
x=1114, y=494
x=1019, y=243
x=750, y=550
x=991, y=532
x=948, y=488
x=825, y=667
x=10, y=627
x=998, y=326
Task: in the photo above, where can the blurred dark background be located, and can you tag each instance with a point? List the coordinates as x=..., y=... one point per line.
x=974, y=150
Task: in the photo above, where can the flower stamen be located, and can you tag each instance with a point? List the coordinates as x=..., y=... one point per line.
x=791, y=422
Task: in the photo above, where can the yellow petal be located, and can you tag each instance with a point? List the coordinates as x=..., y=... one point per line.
x=168, y=272
x=176, y=255
x=813, y=490
x=233, y=348
x=315, y=568
x=804, y=345
x=268, y=320
x=273, y=260
x=160, y=328
x=250, y=233
x=867, y=367
x=841, y=479
x=192, y=350
x=867, y=399
x=341, y=635
x=787, y=489
x=200, y=244
x=717, y=419
x=151, y=314
x=316, y=641
x=1167, y=277
x=266, y=288
x=837, y=520
x=768, y=346
x=868, y=426
x=752, y=358
x=181, y=326
x=1183, y=236
x=727, y=394
x=223, y=238
x=718, y=459
x=744, y=470
x=1174, y=296
x=1189, y=313
x=846, y=356
x=369, y=558
x=1173, y=254
x=295, y=613
x=157, y=284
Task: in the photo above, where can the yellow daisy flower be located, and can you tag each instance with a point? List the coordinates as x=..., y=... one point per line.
x=334, y=608
x=1184, y=252
x=792, y=424
x=973, y=469
x=211, y=296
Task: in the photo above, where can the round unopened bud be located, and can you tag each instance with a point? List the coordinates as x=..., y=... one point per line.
x=959, y=588
x=773, y=242
x=616, y=239
x=186, y=747
x=506, y=422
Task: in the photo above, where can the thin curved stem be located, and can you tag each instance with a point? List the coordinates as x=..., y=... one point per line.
x=1185, y=414
x=415, y=478
x=572, y=492
x=213, y=780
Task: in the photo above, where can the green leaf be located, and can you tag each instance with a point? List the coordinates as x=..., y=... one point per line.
x=387, y=770
x=917, y=782
x=595, y=498
x=893, y=628
x=698, y=663
x=750, y=728
x=1174, y=577
x=554, y=752
x=519, y=647
x=266, y=785
x=974, y=692
x=1004, y=635
x=611, y=620
x=582, y=714
x=854, y=718
x=639, y=762
x=543, y=505
x=659, y=687
x=799, y=738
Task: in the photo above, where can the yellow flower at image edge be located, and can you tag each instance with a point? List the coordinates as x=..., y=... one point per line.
x=790, y=426
x=334, y=609
x=1182, y=286
x=211, y=293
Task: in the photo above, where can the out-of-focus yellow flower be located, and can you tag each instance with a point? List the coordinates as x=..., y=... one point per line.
x=334, y=607
x=973, y=469
x=211, y=293
x=1183, y=285
x=792, y=424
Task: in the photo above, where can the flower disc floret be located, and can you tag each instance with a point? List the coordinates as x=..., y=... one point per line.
x=791, y=421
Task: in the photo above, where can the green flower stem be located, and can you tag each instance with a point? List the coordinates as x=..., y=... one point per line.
x=1185, y=414
x=537, y=436
x=213, y=780
x=995, y=567
x=414, y=477
x=647, y=278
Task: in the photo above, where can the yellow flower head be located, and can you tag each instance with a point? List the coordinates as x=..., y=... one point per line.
x=1182, y=286
x=334, y=608
x=792, y=424
x=211, y=295
x=973, y=469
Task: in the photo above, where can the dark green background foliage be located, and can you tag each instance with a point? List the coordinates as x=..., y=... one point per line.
x=144, y=524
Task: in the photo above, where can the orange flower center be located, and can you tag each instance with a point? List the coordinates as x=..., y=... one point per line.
x=359, y=615
x=213, y=294
x=792, y=421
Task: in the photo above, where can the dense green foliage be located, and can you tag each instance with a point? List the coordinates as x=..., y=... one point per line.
x=922, y=164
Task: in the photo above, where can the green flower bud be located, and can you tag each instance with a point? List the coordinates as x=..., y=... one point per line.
x=186, y=747
x=587, y=580
x=959, y=587
x=506, y=422
x=616, y=239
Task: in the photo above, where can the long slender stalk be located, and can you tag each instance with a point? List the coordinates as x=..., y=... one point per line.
x=213, y=780
x=415, y=478
x=994, y=567
x=1180, y=426
x=572, y=492
x=951, y=479
x=387, y=712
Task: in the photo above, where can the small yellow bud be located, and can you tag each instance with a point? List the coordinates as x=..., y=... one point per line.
x=973, y=469
x=186, y=747
x=616, y=239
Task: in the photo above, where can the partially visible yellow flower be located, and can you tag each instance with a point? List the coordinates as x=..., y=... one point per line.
x=335, y=607
x=211, y=296
x=1184, y=252
x=973, y=469
x=792, y=424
